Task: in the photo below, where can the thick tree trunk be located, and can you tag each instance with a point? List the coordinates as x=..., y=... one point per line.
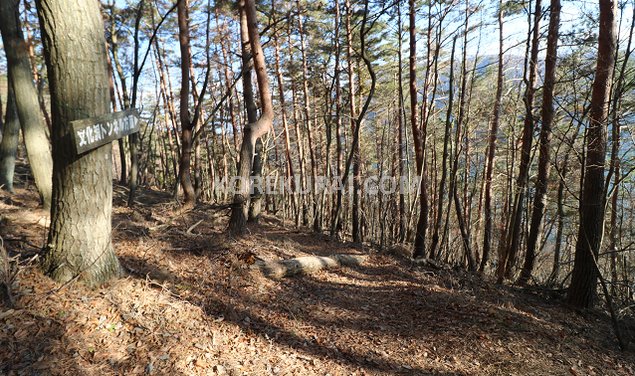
x=9, y=144
x=582, y=291
x=544, y=161
x=79, y=241
x=26, y=97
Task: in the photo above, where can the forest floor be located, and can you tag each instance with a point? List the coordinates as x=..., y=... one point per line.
x=191, y=305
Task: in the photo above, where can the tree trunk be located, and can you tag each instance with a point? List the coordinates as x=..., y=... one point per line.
x=544, y=161
x=338, y=124
x=514, y=234
x=255, y=201
x=401, y=233
x=9, y=144
x=185, y=176
x=444, y=161
x=491, y=148
x=283, y=116
x=555, y=269
x=582, y=291
x=133, y=139
x=353, y=115
x=113, y=48
x=307, y=118
x=253, y=131
x=422, y=224
x=26, y=98
x=79, y=241
x=39, y=82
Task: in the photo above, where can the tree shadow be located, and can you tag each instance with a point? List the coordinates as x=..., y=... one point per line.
x=438, y=324
x=32, y=345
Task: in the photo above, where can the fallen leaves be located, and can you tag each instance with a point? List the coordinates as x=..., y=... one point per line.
x=192, y=306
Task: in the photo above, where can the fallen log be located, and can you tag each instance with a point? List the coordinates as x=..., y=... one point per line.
x=430, y=263
x=400, y=250
x=307, y=264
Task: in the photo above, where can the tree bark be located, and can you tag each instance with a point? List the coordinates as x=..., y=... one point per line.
x=185, y=176
x=307, y=117
x=491, y=148
x=351, y=89
x=133, y=139
x=9, y=144
x=401, y=233
x=283, y=116
x=582, y=291
x=253, y=131
x=514, y=235
x=255, y=201
x=113, y=44
x=26, y=98
x=544, y=161
x=79, y=241
x=418, y=139
x=444, y=161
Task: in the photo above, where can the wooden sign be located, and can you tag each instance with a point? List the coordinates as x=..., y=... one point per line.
x=91, y=133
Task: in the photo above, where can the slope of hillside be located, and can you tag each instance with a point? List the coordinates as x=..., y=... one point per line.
x=190, y=304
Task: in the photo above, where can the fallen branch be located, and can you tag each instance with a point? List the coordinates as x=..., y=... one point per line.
x=430, y=263
x=307, y=264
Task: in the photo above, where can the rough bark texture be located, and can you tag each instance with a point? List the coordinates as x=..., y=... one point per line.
x=26, y=97
x=79, y=242
x=544, y=161
x=582, y=291
x=9, y=144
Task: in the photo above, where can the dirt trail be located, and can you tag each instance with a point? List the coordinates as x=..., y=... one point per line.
x=191, y=304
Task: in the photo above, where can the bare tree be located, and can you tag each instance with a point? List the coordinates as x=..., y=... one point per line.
x=418, y=136
x=544, y=160
x=187, y=126
x=582, y=291
x=252, y=131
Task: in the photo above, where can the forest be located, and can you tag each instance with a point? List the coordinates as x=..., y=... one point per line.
x=342, y=187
